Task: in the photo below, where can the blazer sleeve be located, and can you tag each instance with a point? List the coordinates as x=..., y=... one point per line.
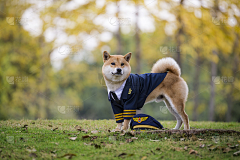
x=118, y=112
x=130, y=107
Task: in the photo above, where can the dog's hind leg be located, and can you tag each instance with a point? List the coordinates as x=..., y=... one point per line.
x=173, y=111
x=184, y=116
x=178, y=108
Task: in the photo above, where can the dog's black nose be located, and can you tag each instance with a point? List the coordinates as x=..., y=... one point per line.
x=119, y=70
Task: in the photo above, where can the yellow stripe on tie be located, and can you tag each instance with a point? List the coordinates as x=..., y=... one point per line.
x=145, y=126
x=118, y=114
x=130, y=113
x=119, y=119
x=128, y=110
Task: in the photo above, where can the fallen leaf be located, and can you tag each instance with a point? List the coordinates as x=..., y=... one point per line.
x=178, y=149
x=86, y=136
x=49, y=125
x=185, y=148
x=94, y=132
x=202, y=145
x=33, y=122
x=232, y=147
x=22, y=139
x=144, y=157
x=182, y=139
x=229, y=144
x=31, y=150
x=212, y=148
x=239, y=141
x=97, y=146
x=130, y=155
x=193, y=138
x=220, y=148
x=236, y=153
x=216, y=139
x=158, y=149
x=154, y=140
x=209, y=145
x=226, y=150
x=200, y=139
x=72, y=138
x=122, y=154
x=68, y=155
x=87, y=144
x=54, y=155
x=152, y=152
x=103, y=143
x=129, y=140
x=93, y=137
x=55, y=129
x=134, y=138
x=84, y=130
x=77, y=127
x=53, y=151
x=192, y=151
x=25, y=126
x=33, y=155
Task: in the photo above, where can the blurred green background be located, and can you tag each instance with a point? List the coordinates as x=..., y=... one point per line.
x=51, y=54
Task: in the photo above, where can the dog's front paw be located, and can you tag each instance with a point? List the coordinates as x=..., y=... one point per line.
x=117, y=130
x=123, y=131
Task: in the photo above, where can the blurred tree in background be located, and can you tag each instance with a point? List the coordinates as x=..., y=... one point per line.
x=51, y=54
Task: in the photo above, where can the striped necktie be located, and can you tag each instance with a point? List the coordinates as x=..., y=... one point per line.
x=113, y=94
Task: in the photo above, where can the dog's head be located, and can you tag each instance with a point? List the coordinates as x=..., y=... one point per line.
x=116, y=67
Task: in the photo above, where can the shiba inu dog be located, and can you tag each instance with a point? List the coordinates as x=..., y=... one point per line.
x=129, y=92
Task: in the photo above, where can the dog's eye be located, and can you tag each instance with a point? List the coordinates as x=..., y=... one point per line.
x=112, y=63
x=122, y=64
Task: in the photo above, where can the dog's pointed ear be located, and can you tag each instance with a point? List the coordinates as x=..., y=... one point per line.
x=127, y=57
x=106, y=56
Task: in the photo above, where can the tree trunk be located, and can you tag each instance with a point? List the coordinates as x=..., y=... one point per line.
x=212, y=96
x=234, y=71
x=137, y=39
x=178, y=35
x=118, y=34
x=196, y=87
x=213, y=73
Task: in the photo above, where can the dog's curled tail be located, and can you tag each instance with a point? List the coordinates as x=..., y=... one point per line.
x=166, y=64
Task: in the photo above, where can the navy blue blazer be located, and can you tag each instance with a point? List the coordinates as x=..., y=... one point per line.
x=134, y=94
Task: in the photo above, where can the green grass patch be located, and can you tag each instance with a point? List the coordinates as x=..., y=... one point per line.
x=51, y=139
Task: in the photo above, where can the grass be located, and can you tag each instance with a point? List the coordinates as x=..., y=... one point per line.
x=49, y=139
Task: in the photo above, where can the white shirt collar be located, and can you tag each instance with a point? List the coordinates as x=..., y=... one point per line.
x=118, y=91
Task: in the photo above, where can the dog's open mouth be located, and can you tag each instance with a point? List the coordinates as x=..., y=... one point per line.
x=117, y=74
